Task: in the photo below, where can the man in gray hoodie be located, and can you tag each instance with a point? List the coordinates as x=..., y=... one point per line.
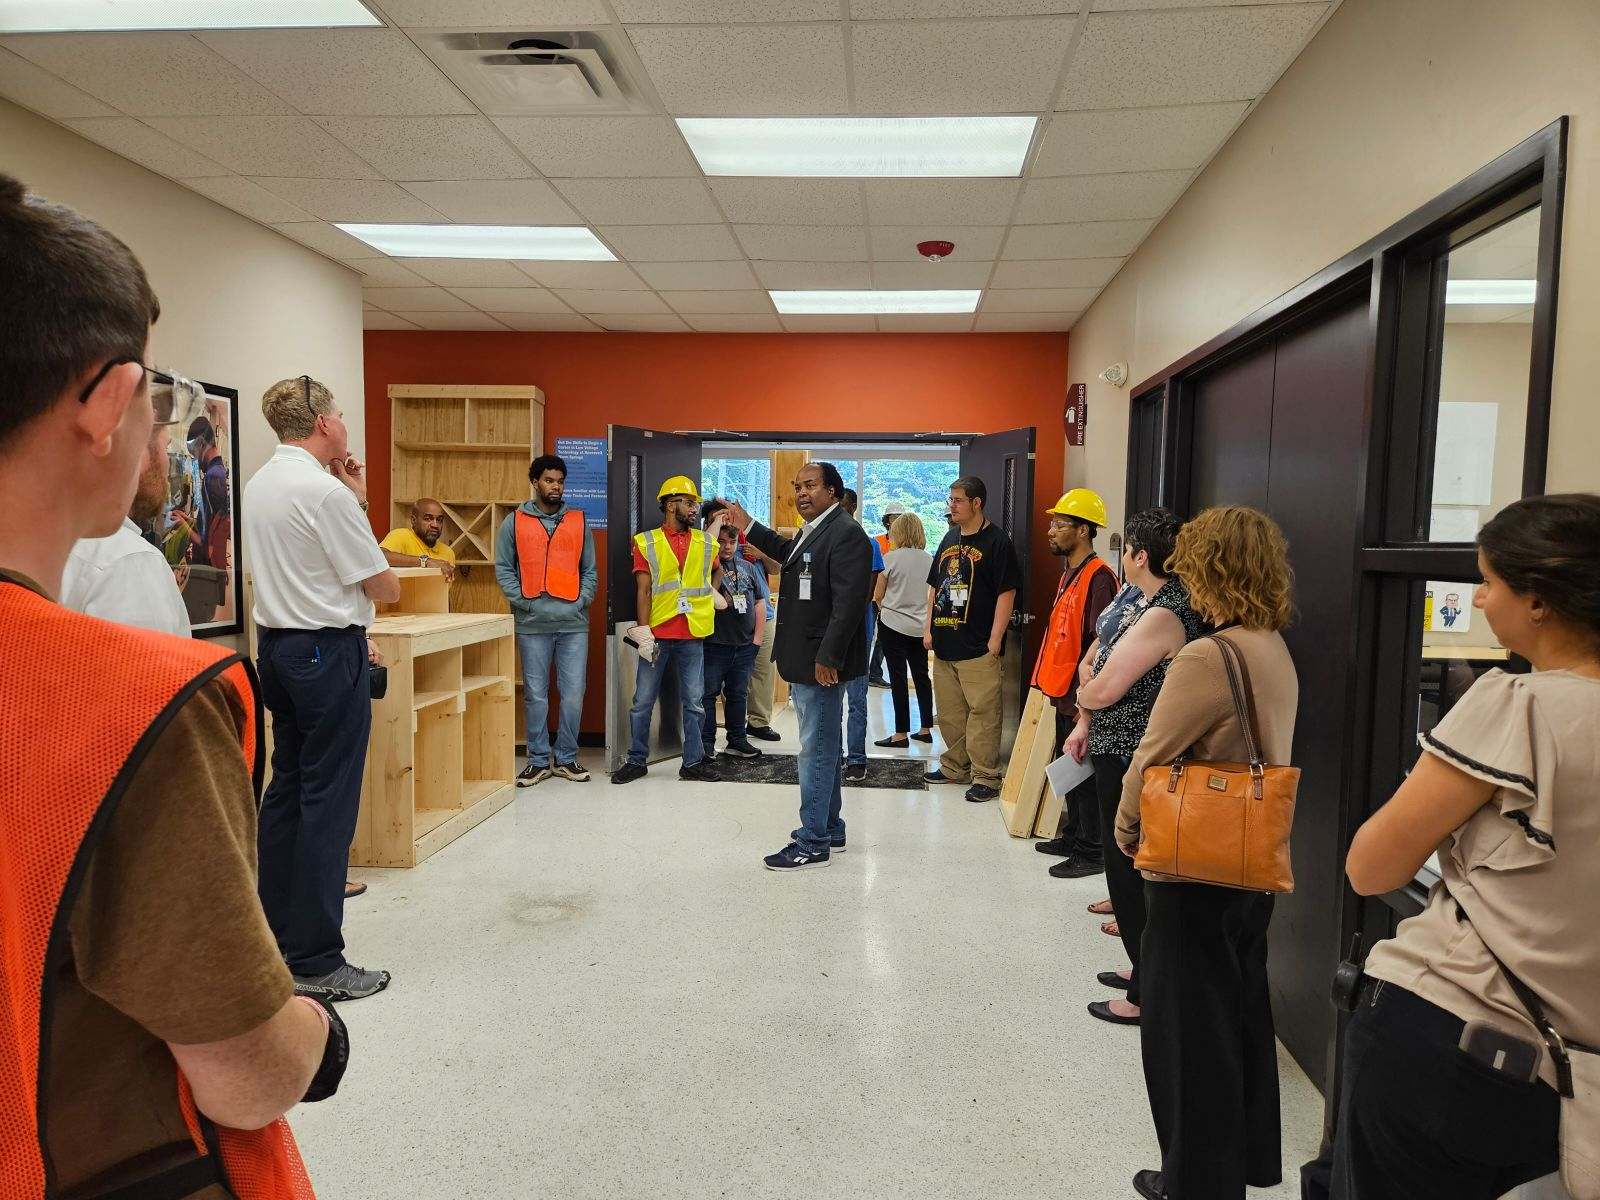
x=544, y=562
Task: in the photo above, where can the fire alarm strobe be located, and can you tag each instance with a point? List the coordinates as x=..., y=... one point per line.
x=934, y=251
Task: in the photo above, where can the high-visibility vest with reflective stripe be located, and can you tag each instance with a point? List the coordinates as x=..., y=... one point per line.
x=550, y=563
x=1062, y=649
x=665, y=582
x=63, y=675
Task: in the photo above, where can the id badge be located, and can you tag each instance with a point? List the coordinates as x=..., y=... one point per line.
x=683, y=605
x=805, y=587
x=958, y=597
x=741, y=604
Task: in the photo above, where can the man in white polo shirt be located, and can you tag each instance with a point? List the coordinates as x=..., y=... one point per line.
x=317, y=571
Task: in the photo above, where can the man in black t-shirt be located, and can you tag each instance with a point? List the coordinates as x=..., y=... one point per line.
x=972, y=589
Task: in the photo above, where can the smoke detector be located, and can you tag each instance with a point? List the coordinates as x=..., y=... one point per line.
x=519, y=73
x=934, y=251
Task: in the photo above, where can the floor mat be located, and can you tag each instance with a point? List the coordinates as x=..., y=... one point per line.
x=901, y=773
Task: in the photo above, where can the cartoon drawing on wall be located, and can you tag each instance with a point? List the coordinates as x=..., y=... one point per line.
x=1447, y=608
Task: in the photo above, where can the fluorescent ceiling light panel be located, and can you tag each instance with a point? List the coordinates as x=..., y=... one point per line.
x=794, y=303
x=1491, y=291
x=539, y=243
x=63, y=16
x=871, y=147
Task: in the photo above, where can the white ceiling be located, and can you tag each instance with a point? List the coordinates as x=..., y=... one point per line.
x=297, y=129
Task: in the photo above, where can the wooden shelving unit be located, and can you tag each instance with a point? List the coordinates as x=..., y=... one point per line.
x=442, y=757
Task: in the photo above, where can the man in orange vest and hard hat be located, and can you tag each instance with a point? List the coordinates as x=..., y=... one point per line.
x=150, y=1036
x=1088, y=585
x=675, y=568
x=544, y=563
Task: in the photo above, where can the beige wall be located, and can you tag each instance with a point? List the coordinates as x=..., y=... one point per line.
x=1392, y=103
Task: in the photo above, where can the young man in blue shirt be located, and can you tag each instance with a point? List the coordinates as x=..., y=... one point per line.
x=730, y=651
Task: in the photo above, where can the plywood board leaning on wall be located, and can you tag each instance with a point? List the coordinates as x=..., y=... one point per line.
x=1024, y=785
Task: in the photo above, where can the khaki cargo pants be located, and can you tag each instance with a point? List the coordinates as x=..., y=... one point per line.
x=966, y=695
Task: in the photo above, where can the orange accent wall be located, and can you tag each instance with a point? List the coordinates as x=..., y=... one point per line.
x=811, y=383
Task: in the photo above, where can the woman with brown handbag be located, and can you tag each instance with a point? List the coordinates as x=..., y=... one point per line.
x=1210, y=1053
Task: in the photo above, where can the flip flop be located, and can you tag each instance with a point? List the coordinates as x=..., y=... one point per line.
x=353, y=888
x=1101, y=908
x=1111, y=929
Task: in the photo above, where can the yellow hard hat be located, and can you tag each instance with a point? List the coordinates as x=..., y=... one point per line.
x=1083, y=504
x=679, y=485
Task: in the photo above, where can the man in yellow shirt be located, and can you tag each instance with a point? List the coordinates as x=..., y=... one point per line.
x=417, y=545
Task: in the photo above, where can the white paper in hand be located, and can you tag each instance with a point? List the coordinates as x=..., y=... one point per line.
x=1064, y=774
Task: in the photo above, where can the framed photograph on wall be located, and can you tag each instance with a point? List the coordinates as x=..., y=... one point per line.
x=198, y=528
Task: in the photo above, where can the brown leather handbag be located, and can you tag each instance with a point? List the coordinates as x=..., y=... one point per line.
x=1220, y=822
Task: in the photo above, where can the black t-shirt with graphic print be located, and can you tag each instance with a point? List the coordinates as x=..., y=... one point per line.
x=970, y=573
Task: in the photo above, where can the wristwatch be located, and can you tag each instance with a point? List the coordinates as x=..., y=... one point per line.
x=424, y=560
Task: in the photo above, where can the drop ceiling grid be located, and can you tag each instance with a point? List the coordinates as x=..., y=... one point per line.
x=298, y=148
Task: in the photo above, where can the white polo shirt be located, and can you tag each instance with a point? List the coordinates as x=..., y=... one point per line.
x=310, y=546
x=125, y=579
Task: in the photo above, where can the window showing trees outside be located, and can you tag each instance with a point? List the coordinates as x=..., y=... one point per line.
x=746, y=480
x=922, y=486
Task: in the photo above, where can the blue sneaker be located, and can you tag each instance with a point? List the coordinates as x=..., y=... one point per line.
x=793, y=858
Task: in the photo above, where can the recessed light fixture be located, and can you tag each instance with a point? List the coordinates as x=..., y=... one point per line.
x=876, y=147
x=64, y=16
x=540, y=243
x=939, y=301
x=1491, y=291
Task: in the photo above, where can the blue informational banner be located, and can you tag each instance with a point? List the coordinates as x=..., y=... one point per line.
x=586, y=477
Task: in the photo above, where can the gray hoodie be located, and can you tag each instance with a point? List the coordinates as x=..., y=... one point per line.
x=545, y=614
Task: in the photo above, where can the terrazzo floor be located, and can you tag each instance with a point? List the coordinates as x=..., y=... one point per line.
x=600, y=995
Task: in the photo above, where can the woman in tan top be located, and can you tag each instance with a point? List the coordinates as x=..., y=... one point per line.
x=1508, y=792
x=1210, y=1053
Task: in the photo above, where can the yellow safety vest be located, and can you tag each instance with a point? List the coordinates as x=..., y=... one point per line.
x=666, y=585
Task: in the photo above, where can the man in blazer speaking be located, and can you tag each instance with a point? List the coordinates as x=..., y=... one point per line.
x=820, y=645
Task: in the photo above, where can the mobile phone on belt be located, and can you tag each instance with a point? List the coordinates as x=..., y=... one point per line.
x=1501, y=1051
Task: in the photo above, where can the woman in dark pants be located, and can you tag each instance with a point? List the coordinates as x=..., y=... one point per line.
x=1210, y=1054
x=1118, y=685
x=902, y=598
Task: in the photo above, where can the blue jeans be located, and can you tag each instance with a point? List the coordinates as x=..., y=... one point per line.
x=821, y=776
x=571, y=653
x=856, y=693
x=686, y=656
x=728, y=670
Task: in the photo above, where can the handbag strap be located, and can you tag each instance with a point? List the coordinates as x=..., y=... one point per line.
x=1244, y=701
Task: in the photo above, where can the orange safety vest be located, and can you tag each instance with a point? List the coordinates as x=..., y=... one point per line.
x=1057, y=664
x=551, y=563
x=883, y=542
x=62, y=673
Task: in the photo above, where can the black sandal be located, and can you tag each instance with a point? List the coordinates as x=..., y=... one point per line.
x=922, y=737
x=889, y=741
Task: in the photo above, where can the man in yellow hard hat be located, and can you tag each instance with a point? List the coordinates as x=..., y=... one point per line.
x=676, y=569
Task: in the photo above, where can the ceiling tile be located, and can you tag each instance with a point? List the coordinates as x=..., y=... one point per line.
x=137, y=141
x=685, y=276
x=277, y=147
x=804, y=243
x=843, y=323
x=941, y=201
x=493, y=14
x=382, y=320
x=352, y=199
x=672, y=243
x=600, y=147
x=325, y=239
x=247, y=197
x=528, y=299
x=1126, y=5
x=413, y=148
x=641, y=201
x=716, y=11
x=958, y=66
x=547, y=322
x=746, y=70
x=1056, y=273
x=718, y=302
x=1024, y=322
x=415, y=299
x=784, y=201
x=931, y=275
x=1137, y=139
x=454, y=320
x=973, y=243
x=735, y=323
x=149, y=74
x=592, y=300
x=799, y=275
x=876, y=10
x=386, y=272
x=496, y=201
x=35, y=88
x=468, y=272
x=631, y=323
x=616, y=276
x=925, y=322
x=1090, y=239
x=1119, y=197
x=1184, y=56
x=1037, y=300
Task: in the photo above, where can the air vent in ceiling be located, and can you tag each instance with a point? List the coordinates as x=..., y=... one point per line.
x=517, y=73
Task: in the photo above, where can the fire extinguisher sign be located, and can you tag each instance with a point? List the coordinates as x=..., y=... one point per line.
x=1075, y=415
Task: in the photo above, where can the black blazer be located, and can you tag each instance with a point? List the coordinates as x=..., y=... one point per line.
x=830, y=628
